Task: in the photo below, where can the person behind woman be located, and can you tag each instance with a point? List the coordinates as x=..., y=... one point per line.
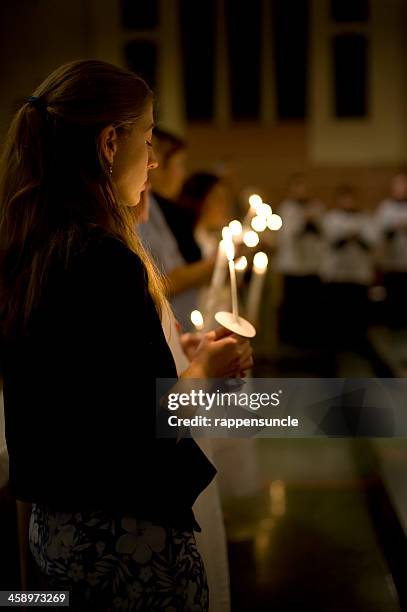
x=168, y=234
x=81, y=305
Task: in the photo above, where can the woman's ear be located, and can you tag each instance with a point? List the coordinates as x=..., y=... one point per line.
x=108, y=143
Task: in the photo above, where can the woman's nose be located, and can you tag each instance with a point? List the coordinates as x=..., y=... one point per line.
x=152, y=160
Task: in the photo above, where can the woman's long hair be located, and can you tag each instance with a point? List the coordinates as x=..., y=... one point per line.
x=54, y=183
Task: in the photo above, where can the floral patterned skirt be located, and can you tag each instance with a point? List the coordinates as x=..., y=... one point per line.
x=118, y=563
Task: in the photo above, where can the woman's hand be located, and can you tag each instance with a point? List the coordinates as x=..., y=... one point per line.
x=220, y=354
x=190, y=343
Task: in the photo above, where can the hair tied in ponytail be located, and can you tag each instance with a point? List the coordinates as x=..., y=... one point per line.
x=37, y=103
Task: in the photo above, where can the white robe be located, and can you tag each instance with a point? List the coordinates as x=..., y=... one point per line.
x=351, y=263
x=391, y=216
x=298, y=252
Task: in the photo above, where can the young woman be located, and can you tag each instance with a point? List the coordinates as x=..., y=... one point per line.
x=81, y=305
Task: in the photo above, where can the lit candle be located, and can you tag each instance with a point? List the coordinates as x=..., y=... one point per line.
x=259, y=223
x=218, y=278
x=275, y=222
x=255, y=204
x=230, y=254
x=250, y=238
x=255, y=201
x=237, y=231
x=260, y=262
x=240, y=267
x=241, y=264
x=197, y=320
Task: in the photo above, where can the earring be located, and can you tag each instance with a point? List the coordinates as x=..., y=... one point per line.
x=110, y=169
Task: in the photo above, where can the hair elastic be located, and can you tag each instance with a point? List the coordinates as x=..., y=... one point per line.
x=37, y=103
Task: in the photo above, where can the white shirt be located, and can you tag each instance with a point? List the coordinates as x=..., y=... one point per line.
x=348, y=252
x=298, y=249
x=159, y=240
x=391, y=222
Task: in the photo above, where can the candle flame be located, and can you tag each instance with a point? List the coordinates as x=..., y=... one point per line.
x=235, y=227
x=266, y=210
x=197, y=319
x=229, y=249
x=241, y=264
x=250, y=238
x=226, y=233
x=275, y=222
x=255, y=200
x=260, y=261
x=277, y=491
x=258, y=223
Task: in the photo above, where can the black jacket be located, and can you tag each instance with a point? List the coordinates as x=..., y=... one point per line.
x=79, y=395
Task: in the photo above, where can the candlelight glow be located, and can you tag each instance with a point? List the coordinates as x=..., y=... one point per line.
x=260, y=261
x=235, y=227
x=255, y=200
x=241, y=264
x=226, y=233
x=266, y=210
x=229, y=249
x=277, y=498
x=258, y=223
x=250, y=238
x=197, y=319
x=275, y=222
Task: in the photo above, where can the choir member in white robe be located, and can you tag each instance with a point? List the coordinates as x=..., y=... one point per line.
x=391, y=221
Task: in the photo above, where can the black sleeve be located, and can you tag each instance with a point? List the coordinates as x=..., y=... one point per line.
x=121, y=348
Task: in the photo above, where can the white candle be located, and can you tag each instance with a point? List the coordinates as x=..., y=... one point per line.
x=230, y=254
x=218, y=275
x=218, y=279
x=237, y=231
x=260, y=262
x=236, y=228
x=240, y=267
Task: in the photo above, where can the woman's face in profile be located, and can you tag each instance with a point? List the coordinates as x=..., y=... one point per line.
x=134, y=159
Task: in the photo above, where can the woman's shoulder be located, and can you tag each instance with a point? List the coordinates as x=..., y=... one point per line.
x=100, y=249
